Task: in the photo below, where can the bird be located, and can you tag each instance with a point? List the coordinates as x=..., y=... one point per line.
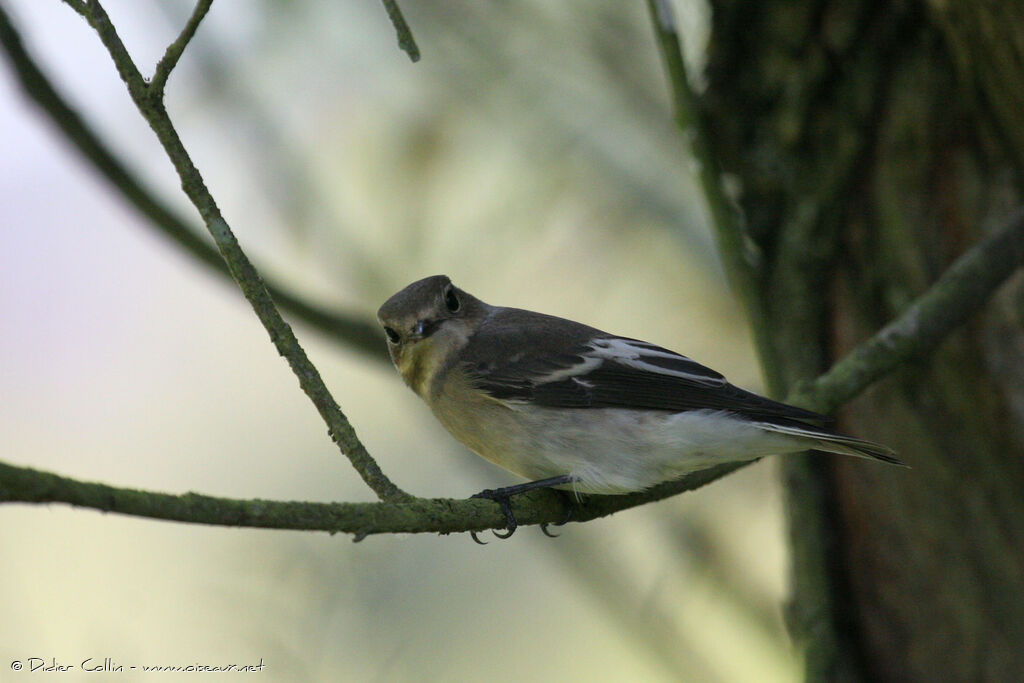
x=568, y=406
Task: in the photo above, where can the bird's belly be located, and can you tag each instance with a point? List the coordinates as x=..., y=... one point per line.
x=610, y=450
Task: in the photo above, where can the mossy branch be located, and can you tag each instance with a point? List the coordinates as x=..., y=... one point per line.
x=957, y=295
x=409, y=515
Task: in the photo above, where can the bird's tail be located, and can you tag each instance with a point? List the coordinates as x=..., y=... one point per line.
x=825, y=440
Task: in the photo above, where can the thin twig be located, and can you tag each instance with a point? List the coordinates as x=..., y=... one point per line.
x=405, y=39
x=356, y=332
x=175, y=49
x=733, y=244
x=77, y=5
x=241, y=268
x=126, y=68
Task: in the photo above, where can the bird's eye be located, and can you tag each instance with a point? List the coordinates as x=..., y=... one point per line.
x=393, y=336
x=451, y=301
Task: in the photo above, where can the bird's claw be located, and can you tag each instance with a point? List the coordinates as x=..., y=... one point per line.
x=505, y=501
x=544, y=530
x=568, y=517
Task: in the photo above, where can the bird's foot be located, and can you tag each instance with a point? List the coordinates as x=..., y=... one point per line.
x=503, y=497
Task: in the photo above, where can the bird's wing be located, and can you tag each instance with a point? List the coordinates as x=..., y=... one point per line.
x=617, y=372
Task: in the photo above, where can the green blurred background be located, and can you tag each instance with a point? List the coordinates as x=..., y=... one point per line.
x=531, y=156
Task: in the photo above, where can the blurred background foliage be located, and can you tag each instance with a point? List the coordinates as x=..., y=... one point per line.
x=531, y=156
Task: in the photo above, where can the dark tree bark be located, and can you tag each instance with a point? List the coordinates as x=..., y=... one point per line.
x=873, y=142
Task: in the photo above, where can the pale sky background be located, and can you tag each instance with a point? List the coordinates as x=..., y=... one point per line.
x=349, y=172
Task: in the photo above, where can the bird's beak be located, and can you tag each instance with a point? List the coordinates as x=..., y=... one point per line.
x=423, y=329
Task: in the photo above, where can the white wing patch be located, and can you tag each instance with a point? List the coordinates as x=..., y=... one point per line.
x=636, y=355
x=644, y=357
x=589, y=364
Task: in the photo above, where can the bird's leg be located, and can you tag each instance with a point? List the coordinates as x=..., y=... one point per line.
x=503, y=497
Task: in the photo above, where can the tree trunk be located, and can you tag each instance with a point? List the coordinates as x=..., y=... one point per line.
x=873, y=142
